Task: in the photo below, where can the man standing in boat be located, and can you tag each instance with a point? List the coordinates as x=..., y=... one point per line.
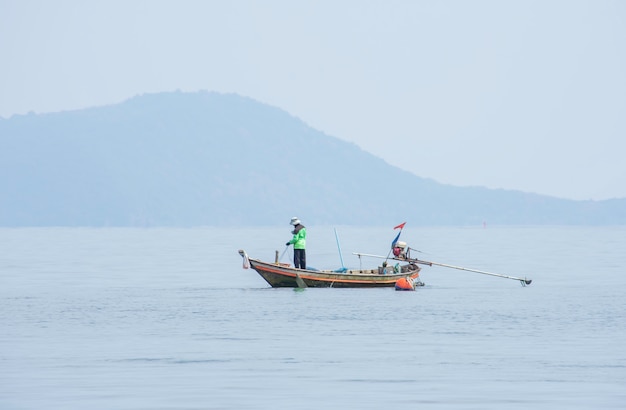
x=299, y=243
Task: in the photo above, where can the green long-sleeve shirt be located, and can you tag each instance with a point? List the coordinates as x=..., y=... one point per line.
x=299, y=239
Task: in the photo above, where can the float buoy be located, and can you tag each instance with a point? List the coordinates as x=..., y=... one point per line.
x=405, y=284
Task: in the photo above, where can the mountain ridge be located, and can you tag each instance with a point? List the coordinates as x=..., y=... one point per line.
x=205, y=158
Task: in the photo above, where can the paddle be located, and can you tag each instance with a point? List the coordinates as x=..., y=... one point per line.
x=300, y=282
x=523, y=281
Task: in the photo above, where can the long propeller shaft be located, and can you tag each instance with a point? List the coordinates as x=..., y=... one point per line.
x=523, y=281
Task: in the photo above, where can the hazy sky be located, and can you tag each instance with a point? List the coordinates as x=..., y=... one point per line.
x=525, y=95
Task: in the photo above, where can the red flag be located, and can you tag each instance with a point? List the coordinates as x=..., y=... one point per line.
x=400, y=226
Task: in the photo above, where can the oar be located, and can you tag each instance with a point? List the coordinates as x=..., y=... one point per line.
x=523, y=281
x=300, y=282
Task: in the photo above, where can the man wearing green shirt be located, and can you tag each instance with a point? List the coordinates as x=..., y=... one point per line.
x=299, y=243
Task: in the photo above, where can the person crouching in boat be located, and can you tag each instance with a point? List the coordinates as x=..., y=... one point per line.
x=299, y=243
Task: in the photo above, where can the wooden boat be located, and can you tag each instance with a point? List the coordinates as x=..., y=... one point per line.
x=404, y=275
x=282, y=275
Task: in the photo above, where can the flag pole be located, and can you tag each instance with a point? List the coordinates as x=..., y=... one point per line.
x=401, y=226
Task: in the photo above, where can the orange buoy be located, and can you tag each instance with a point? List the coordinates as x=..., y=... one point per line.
x=405, y=284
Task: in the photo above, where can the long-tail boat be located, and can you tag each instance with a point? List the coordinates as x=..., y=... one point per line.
x=404, y=275
x=283, y=275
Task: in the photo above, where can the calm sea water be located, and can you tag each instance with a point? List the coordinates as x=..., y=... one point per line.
x=168, y=319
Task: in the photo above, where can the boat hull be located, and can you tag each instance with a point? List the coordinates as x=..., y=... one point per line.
x=281, y=276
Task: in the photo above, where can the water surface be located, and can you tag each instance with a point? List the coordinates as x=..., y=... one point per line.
x=167, y=319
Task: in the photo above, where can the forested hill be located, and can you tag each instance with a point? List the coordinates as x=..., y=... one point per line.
x=191, y=159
